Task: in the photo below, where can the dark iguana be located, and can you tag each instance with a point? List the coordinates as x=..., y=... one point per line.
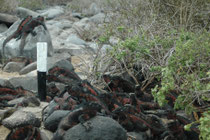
x=26, y=26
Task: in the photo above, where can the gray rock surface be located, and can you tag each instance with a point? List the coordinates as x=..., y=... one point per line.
x=48, y=110
x=37, y=111
x=61, y=24
x=28, y=68
x=71, y=49
x=20, y=118
x=47, y=134
x=60, y=60
x=13, y=67
x=99, y=18
x=29, y=83
x=32, y=73
x=5, y=83
x=51, y=123
x=6, y=18
x=74, y=39
x=64, y=64
x=103, y=128
x=16, y=101
x=53, y=12
x=3, y=28
x=30, y=101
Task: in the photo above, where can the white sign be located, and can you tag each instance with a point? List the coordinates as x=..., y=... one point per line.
x=42, y=56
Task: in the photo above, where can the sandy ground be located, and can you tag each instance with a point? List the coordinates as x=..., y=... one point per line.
x=6, y=75
x=3, y=132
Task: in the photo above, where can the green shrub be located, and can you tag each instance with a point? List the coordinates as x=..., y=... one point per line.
x=139, y=50
x=205, y=126
x=185, y=70
x=150, y=35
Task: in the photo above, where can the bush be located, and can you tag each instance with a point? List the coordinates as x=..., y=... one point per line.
x=152, y=37
x=188, y=14
x=139, y=53
x=180, y=61
x=185, y=71
x=56, y=2
x=205, y=126
x=8, y=6
x=32, y=4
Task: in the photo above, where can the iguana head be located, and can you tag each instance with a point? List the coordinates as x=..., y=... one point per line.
x=40, y=18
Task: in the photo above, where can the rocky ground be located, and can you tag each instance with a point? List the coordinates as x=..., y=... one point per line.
x=71, y=48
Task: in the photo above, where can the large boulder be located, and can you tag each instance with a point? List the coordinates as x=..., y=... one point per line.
x=74, y=39
x=98, y=19
x=28, y=83
x=61, y=24
x=23, y=12
x=13, y=67
x=102, y=128
x=20, y=118
x=8, y=19
x=53, y=12
x=28, y=68
x=61, y=60
x=12, y=47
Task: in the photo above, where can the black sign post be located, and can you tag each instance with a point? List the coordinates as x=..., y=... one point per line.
x=41, y=69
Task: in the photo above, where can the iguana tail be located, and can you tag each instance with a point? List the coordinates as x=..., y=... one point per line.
x=7, y=40
x=17, y=34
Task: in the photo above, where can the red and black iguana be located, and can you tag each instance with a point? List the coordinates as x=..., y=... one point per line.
x=26, y=26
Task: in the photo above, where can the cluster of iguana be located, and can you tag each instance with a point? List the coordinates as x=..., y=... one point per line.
x=26, y=27
x=85, y=102
x=121, y=104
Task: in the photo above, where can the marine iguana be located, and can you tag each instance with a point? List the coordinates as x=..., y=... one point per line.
x=26, y=26
x=85, y=112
